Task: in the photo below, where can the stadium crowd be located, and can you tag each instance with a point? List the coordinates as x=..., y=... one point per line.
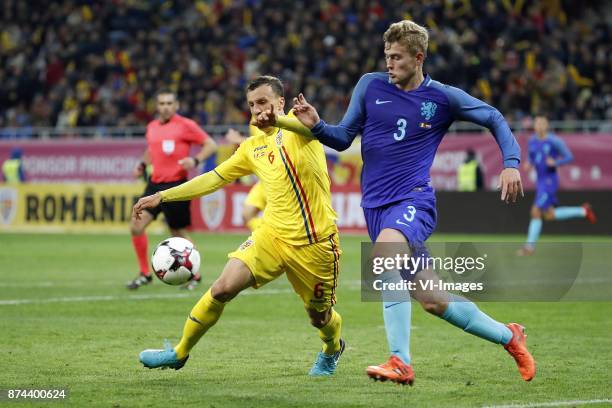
x=98, y=63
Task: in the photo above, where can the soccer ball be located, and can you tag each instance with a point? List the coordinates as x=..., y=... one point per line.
x=175, y=261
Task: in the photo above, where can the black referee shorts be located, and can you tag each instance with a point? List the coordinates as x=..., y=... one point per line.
x=177, y=212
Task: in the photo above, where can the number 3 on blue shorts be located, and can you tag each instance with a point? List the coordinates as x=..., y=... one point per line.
x=408, y=216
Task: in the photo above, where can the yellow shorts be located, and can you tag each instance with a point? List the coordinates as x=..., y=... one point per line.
x=256, y=197
x=311, y=269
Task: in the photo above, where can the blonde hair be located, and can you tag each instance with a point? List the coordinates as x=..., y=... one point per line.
x=409, y=34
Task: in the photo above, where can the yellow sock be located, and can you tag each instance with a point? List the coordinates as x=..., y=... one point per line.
x=253, y=223
x=202, y=317
x=330, y=333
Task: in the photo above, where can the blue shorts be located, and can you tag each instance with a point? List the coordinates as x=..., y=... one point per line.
x=545, y=199
x=415, y=217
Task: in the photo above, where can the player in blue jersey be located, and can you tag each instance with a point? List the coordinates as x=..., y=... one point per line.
x=546, y=153
x=402, y=116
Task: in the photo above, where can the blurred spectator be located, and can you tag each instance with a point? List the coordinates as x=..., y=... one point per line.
x=469, y=174
x=12, y=169
x=88, y=63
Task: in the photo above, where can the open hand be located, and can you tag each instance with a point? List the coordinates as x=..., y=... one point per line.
x=510, y=184
x=151, y=201
x=305, y=112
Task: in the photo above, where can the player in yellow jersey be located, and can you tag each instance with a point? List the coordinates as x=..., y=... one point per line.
x=298, y=235
x=255, y=201
x=254, y=204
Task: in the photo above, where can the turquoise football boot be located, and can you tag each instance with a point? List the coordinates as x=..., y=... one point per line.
x=326, y=364
x=163, y=359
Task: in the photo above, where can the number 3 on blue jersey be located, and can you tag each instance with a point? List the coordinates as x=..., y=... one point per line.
x=408, y=216
x=401, y=126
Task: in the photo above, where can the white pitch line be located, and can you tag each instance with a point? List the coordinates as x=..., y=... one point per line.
x=87, y=283
x=106, y=298
x=553, y=404
x=58, y=284
x=54, y=284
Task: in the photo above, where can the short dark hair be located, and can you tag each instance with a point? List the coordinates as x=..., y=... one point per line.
x=166, y=91
x=274, y=82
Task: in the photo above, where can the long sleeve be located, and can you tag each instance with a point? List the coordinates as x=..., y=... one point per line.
x=340, y=136
x=565, y=155
x=293, y=125
x=196, y=187
x=466, y=107
x=236, y=166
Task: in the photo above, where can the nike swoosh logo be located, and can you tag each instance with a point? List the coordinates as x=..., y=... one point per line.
x=379, y=102
x=195, y=320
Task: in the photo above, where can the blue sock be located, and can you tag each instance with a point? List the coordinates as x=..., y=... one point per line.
x=533, y=234
x=565, y=213
x=397, y=325
x=466, y=315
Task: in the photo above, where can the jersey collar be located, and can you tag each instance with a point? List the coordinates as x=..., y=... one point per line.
x=426, y=82
x=172, y=119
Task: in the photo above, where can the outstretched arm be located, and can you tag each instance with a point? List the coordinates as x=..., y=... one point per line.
x=269, y=118
x=236, y=166
x=340, y=136
x=199, y=186
x=293, y=125
x=466, y=107
x=196, y=187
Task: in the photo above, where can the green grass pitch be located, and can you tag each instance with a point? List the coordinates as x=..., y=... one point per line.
x=67, y=321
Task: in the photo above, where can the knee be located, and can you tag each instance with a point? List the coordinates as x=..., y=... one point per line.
x=549, y=215
x=535, y=213
x=434, y=307
x=317, y=322
x=136, y=229
x=222, y=291
x=318, y=319
x=181, y=232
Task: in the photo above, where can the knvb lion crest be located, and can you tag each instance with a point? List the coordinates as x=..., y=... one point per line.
x=8, y=205
x=212, y=209
x=428, y=110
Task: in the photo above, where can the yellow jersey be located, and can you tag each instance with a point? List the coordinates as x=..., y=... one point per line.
x=292, y=170
x=256, y=197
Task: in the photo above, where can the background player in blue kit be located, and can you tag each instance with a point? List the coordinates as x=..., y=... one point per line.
x=546, y=153
x=402, y=116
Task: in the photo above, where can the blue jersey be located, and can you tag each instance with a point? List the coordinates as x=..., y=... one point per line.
x=539, y=150
x=401, y=131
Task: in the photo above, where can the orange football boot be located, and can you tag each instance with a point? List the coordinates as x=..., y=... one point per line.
x=517, y=347
x=393, y=370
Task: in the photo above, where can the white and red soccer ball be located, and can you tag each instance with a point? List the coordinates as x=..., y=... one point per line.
x=175, y=261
